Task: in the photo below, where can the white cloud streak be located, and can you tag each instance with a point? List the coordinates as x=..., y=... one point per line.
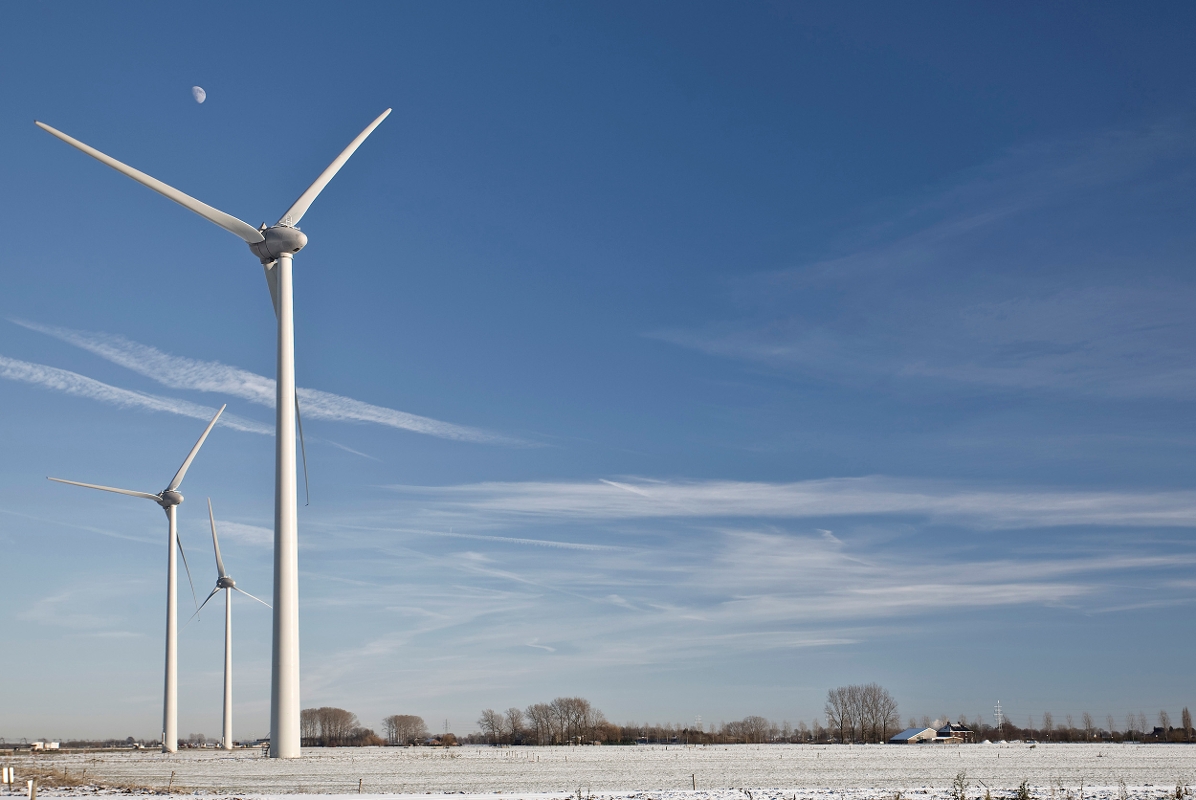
x=835, y=497
x=498, y=539
x=960, y=289
x=179, y=372
x=73, y=383
x=248, y=534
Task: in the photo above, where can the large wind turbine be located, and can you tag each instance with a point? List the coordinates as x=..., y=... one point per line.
x=224, y=581
x=275, y=247
x=169, y=498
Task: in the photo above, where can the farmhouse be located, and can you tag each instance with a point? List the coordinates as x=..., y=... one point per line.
x=948, y=734
x=954, y=734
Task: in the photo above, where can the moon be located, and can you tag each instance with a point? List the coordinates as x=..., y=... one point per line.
x=199, y=94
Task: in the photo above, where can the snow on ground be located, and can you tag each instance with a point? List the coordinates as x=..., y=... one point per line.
x=657, y=772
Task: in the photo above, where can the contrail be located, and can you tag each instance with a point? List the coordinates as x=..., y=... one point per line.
x=179, y=372
x=81, y=386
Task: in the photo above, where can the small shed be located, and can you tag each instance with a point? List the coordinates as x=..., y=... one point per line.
x=913, y=736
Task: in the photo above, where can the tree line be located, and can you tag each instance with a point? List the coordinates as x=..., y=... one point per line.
x=334, y=727
x=865, y=713
x=575, y=720
x=1136, y=728
x=857, y=713
x=565, y=720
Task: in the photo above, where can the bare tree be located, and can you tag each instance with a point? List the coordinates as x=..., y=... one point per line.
x=513, y=721
x=539, y=720
x=886, y=713
x=837, y=711
x=1089, y=725
x=491, y=723
x=883, y=712
x=309, y=726
x=337, y=725
x=1165, y=724
x=404, y=729
x=1110, y=723
x=754, y=730
x=1185, y=719
x=1142, y=722
x=1048, y=724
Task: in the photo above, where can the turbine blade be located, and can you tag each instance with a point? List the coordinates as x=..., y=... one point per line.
x=227, y=221
x=272, y=282
x=129, y=492
x=182, y=473
x=247, y=594
x=303, y=450
x=215, y=544
x=300, y=206
x=194, y=599
x=204, y=603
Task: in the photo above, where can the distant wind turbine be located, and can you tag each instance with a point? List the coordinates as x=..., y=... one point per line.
x=275, y=247
x=169, y=498
x=224, y=581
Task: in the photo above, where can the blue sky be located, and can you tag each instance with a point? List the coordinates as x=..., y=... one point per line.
x=693, y=358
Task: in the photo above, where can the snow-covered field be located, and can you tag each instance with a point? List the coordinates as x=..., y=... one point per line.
x=734, y=772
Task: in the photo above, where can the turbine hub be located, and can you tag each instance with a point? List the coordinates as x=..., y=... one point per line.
x=170, y=498
x=226, y=583
x=279, y=240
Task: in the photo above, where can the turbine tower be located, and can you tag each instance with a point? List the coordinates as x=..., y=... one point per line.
x=224, y=581
x=275, y=247
x=169, y=498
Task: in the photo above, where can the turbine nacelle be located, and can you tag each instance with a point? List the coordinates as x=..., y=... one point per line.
x=169, y=498
x=223, y=580
x=277, y=241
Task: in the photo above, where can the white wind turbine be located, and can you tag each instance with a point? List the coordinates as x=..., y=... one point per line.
x=169, y=498
x=225, y=581
x=275, y=247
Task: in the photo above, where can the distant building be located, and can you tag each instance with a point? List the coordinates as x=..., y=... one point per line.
x=954, y=734
x=914, y=736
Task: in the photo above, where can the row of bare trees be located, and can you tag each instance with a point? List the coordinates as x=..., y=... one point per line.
x=405, y=729
x=564, y=720
x=334, y=727
x=861, y=713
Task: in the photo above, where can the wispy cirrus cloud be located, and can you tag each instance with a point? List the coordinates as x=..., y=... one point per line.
x=746, y=587
x=484, y=538
x=73, y=383
x=719, y=565
x=937, y=500
x=1046, y=270
x=179, y=372
x=242, y=532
